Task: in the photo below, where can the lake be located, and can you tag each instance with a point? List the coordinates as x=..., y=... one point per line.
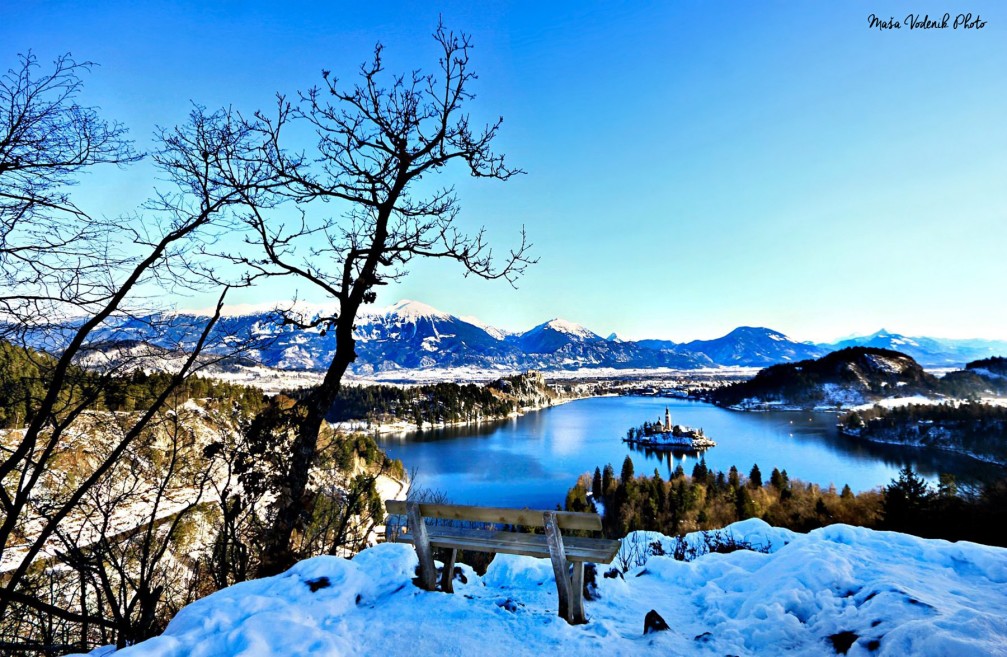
x=531, y=461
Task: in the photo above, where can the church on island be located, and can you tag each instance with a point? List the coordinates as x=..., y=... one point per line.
x=665, y=435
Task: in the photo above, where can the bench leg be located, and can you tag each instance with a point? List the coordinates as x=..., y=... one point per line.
x=428, y=572
x=557, y=554
x=577, y=616
x=448, y=574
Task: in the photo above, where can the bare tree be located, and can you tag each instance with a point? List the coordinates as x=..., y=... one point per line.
x=70, y=276
x=376, y=140
x=48, y=245
x=127, y=545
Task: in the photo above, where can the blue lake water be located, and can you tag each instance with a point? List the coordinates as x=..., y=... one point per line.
x=532, y=461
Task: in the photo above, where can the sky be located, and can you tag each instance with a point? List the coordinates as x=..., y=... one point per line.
x=691, y=167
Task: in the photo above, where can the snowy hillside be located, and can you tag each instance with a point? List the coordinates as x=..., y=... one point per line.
x=838, y=589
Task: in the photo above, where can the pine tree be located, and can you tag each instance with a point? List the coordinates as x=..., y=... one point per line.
x=906, y=500
x=607, y=480
x=755, y=477
x=627, y=471
x=596, y=487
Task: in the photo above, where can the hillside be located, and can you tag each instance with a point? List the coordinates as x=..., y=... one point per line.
x=442, y=403
x=975, y=429
x=837, y=590
x=848, y=377
x=995, y=367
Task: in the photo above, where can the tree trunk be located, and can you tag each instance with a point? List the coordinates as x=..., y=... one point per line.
x=277, y=554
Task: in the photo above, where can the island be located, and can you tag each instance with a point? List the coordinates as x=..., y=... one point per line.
x=668, y=436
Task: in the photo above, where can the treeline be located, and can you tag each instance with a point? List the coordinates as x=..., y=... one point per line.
x=708, y=500
x=25, y=373
x=969, y=384
x=974, y=428
x=995, y=364
x=438, y=403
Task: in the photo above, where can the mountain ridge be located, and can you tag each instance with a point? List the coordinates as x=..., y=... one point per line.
x=411, y=335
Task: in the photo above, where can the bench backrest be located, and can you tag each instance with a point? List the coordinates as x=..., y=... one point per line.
x=526, y=517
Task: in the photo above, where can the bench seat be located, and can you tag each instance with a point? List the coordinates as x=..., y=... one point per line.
x=592, y=550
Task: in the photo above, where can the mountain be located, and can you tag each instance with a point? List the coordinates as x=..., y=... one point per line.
x=847, y=377
x=410, y=335
x=748, y=346
x=929, y=352
x=559, y=344
x=554, y=335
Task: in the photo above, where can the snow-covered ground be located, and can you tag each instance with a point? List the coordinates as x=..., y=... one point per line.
x=896, y=402
x=887, y=593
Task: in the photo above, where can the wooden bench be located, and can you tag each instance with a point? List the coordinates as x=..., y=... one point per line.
x=562, y=551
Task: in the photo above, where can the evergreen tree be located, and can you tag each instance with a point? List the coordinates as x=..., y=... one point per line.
x=906, y=499
x=627, y=471
x=733, y=478
x=596, y=487
x=607, y=480
x=947, y=486
x=755, y=477
x=743, y=504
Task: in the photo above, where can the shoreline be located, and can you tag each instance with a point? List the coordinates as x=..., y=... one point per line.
x=403, y=426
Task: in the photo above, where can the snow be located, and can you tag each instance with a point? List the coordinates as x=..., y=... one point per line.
x=410, y=310
x=570, y=328
x=898, y=594
x=897, y=402
x=499, y=334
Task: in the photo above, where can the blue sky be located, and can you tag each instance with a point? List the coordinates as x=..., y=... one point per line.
x=691, y=166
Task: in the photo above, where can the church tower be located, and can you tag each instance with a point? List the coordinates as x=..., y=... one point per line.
x=667, y=419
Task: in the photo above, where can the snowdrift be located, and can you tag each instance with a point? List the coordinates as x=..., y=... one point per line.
x=837, y=588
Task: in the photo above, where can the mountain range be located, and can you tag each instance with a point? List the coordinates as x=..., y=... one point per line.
x=412, y=335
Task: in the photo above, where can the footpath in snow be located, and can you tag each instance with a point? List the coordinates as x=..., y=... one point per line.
x=867, y=592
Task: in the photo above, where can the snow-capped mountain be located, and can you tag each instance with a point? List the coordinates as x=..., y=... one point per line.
x=929, y=352
x=554, y=335
x=412, y=335
x=754, y=347
x=565, y=345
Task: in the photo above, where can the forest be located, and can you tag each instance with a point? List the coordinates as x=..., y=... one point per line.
x=708, y=500
x=972, y=427
x=441, y=403
x=23, y=384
